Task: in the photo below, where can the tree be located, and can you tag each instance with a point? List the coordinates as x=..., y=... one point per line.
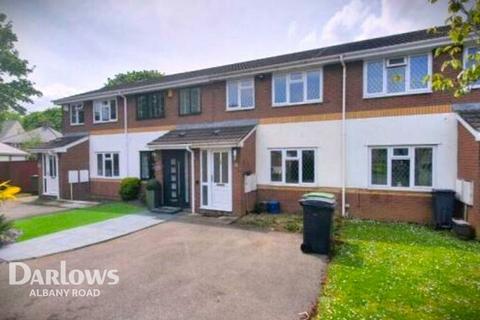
x=15, y=88
x=132, y=76
x=463, y=25
x=51, y=117
x=9, y=115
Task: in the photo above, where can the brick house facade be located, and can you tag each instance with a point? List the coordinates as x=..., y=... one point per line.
x=306, y=136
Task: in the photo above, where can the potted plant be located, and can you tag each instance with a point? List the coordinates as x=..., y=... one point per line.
x=152, y=194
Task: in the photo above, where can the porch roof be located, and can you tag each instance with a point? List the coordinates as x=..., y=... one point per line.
x=228, y=136
x=61, y=144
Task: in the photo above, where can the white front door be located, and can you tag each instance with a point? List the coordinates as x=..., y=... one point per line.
x=50, y=174
x=216, y=179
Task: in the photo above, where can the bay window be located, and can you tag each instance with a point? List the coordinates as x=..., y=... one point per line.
x=240, y=94
x=297, y=88
x=77, y=114
x=104, y=111
x=108, y=164
x=397, y=75
x=292, y=166
x=401, y=167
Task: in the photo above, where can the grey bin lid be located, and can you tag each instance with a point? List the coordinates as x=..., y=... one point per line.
x=317, y=203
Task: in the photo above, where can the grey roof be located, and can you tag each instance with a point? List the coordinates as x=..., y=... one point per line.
x=60, y=142
x=44, y=133
x=6, y=150
x=286, y=58
x=227, y=135
x=470, y=112
x=10, y=128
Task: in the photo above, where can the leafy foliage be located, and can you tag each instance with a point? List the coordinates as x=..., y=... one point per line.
x=51, y=116
x=129, y=188
x=132, y=76
x=4, y=224
x=464, y=23
x=9, y=115
x=15, y=88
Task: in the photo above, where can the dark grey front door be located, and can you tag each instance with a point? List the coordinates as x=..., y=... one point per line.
x=174, y=178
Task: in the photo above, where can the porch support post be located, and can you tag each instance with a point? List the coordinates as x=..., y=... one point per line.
x=193, y=177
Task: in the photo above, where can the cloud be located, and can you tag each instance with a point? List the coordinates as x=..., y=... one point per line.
x=57, y=90
x=363, y=19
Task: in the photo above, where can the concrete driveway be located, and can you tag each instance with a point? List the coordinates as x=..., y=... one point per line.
x=180, y=270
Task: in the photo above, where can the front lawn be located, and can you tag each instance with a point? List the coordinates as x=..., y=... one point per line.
x=401, y=271
x=275, y=222
x=45, y=224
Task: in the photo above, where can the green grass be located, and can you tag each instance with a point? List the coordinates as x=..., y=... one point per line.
x=278, y=222
x=401, y=271
x=45, y=224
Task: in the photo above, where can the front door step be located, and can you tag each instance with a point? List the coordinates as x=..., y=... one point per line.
x=167, y=210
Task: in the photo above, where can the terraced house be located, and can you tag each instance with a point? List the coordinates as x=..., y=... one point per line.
x=356, y=119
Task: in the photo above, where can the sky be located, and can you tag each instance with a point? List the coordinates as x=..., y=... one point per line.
x=76, y=45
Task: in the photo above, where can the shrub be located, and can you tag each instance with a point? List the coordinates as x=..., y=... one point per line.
x=129, y=188
x=152, y=184
x=4, y=225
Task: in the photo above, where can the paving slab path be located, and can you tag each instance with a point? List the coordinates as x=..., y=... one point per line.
x=80, y=236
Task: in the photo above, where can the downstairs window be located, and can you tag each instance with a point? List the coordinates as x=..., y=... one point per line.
x=292, y=166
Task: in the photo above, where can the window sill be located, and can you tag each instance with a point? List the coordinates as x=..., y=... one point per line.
x=152, y=118
x=102, y=122
x=280, y=105
x=402, y=189
x=239, y=109
x=77, y=124
x=411, y=93
x=189, y=114
x=283, y=184
x=106, y=178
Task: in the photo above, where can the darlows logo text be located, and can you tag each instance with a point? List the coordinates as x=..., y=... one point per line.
x=21, y=274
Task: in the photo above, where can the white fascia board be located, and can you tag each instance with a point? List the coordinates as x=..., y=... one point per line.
x=169, y=147
x=368, y=53
x=470, y=129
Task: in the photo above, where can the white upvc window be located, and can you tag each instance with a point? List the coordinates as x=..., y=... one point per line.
x=105, y=111
x=299, y=87
x=469, y=54
x=402, y=167
x=398, y=75
x=108, y=164
x=240, y=94
x=292, y=166
x=77, y=114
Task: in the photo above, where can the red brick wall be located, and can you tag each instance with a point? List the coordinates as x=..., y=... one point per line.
x=105, y=189
x=245, y=163
x=77, y=158
x=469, y=170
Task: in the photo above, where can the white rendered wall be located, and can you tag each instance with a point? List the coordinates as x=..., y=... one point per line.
x=435, y=129
x=116, y=143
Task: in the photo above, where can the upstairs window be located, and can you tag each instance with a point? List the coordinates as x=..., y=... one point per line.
x=397, y=75
x=150, y=106
x=401, y=167
x=292, y=166
x=297, y=88
x=240, y=94
x=469, y=60
x=77, y=114
x=190, y=101
x=108, y=164
x=104, y=111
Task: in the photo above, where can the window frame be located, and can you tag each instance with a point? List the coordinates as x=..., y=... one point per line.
x=239, y=87
x=298, y=158
x=305, y=88
x=180, y=101
x=411, y=158
x=148, y=97
x=95, y=102
x=465, y=60
x=151, y=157
x=74, y=108
x=111, y=153
x=386, y=66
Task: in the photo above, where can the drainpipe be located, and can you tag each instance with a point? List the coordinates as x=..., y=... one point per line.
x=192, y=178
x=125, y=130
x=344, y=135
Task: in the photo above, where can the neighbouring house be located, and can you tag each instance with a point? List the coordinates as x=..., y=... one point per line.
x=41, y=134
x=9, y=153
x=355, y=119
x=10, y=128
